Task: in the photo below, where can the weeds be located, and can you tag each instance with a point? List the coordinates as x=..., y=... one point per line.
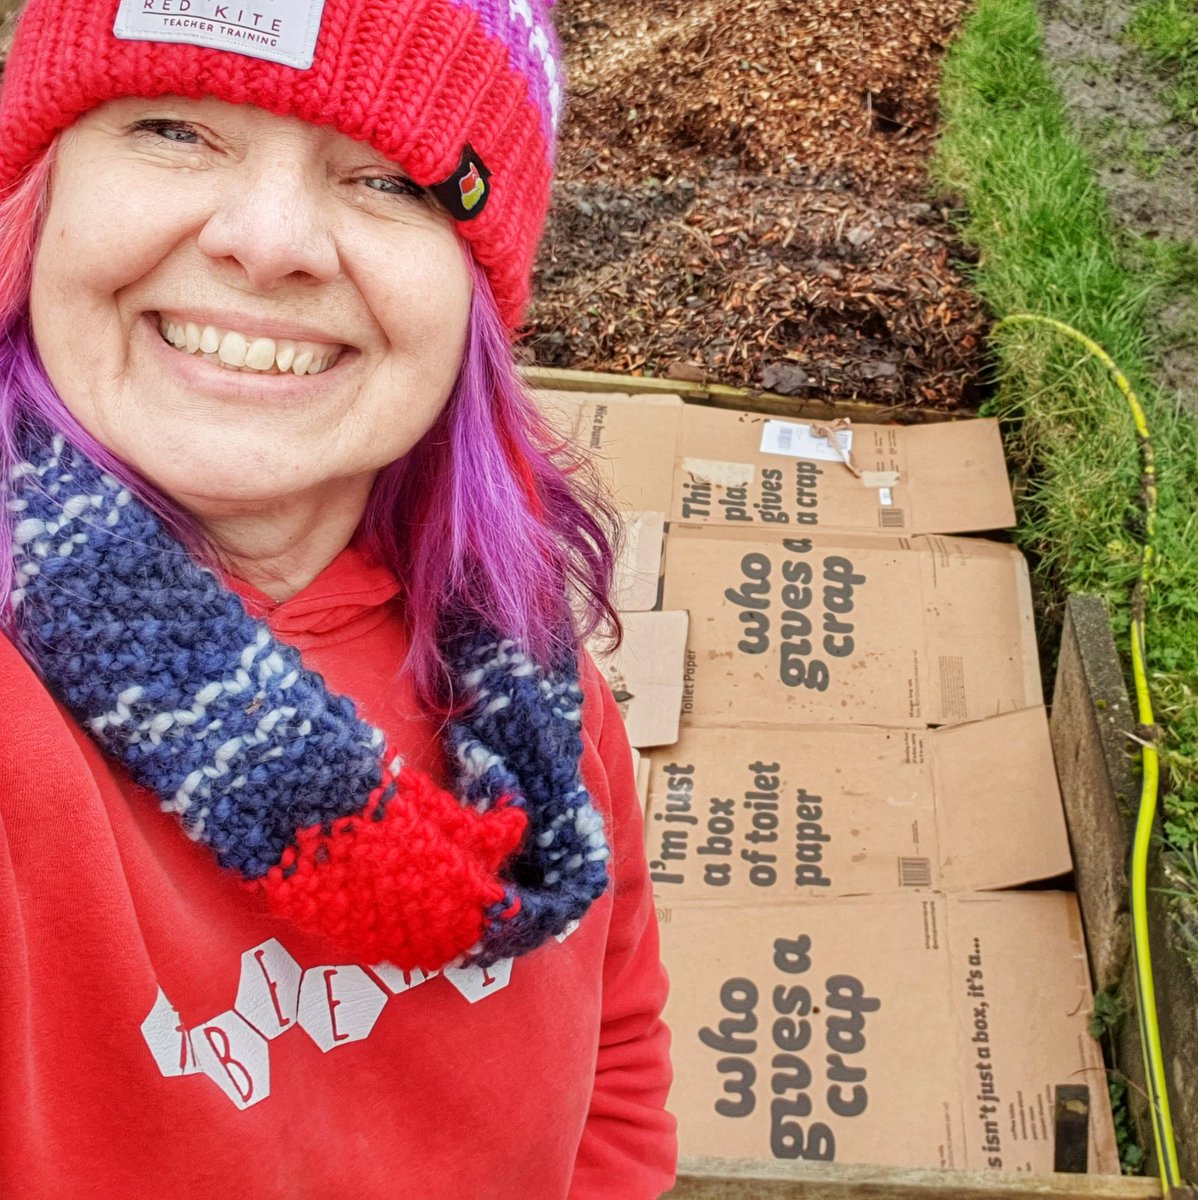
x=1105, y=1019
x=1132, y=1158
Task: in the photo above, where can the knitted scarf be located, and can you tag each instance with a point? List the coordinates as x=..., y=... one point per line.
x=279, y=777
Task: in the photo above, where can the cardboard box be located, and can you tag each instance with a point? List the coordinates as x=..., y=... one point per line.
x=645, y=675
x=901, y=1031
x=638, y=564
x=637, y=578
x=717, y=467
x=851, y=630
x=745, y=815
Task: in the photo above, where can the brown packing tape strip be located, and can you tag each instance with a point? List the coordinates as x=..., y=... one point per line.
x=1071, y=1128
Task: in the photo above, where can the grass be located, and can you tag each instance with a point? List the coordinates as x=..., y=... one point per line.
x=1166, y=32
x=1133, y=146
x=1173, y=262
x=1041, y=226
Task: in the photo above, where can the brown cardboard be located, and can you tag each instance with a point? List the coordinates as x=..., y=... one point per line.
x=707, y=466
x=851, y=630
x=642, y=779
x=645, y=675
x=747, y=815
x=631, y=440
x=905, y=1031
x=638, y=566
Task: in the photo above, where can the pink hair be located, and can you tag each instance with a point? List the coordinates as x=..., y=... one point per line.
x=490, y=519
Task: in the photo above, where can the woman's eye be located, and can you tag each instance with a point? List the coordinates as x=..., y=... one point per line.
x=171, y=131
x=393, y=185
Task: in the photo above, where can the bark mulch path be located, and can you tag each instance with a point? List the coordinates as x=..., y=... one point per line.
x=741, y=199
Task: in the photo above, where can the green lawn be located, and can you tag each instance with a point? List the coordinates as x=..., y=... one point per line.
x=1032, y=208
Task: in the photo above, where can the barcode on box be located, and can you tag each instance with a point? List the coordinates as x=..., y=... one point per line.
x=915, y=872
x=784, y=437
x=892, y=518
x=952, y=687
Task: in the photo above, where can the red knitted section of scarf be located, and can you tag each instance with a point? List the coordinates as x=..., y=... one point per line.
x=410, y=881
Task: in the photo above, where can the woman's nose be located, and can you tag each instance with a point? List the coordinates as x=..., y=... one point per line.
x=271, y=223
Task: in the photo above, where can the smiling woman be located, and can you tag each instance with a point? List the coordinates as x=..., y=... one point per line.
x=258, y=291
x=290, y=567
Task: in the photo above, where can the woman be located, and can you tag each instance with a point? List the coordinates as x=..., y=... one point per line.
x=320, y=861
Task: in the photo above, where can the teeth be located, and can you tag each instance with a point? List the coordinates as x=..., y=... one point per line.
x=261, y=354
x=241, y=353
x=232, y=350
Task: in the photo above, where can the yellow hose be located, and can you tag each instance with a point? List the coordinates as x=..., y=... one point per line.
x=1150, y=1037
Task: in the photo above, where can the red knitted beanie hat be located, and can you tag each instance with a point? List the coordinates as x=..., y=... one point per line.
x=464, y=95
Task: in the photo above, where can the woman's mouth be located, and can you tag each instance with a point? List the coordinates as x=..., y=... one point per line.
x=245, y=351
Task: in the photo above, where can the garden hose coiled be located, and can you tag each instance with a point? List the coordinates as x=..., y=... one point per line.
x=1154, y=1064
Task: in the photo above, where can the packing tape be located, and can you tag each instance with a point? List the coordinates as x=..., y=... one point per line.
x=719, y=474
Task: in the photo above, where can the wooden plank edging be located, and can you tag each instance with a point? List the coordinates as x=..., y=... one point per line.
x=720, y=395
x=742, y=1179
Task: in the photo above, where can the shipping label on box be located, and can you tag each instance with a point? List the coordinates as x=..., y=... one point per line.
x=717, y=467
x=851, y=630
x=745, y=815
x=900, y=1031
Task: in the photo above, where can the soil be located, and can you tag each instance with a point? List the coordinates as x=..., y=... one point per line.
x=1146, y=162
x=742, y=198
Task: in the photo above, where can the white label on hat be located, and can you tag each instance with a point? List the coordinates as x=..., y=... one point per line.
x=282, y=31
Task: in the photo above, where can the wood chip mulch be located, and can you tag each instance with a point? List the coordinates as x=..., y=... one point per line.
x=742, y=198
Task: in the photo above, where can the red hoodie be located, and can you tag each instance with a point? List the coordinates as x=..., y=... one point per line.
x=159, y=1033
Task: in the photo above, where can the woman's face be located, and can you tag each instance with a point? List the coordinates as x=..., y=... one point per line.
x=246, y=308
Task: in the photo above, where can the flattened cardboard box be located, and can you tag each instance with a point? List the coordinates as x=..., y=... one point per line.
x=899, y=1031
x=746, y=815
x=645, y=674
x=715, y=467
x=826, y=628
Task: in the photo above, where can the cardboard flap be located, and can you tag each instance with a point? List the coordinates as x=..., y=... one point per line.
x=998, y=803
x=851, y=630
x=1022, y=996
x=646, y=675
x=563, y=411
x=965, y=461
x=746, y=815
x=720, y=467
x=971, y=589
x=634, y=444
x=905, y=1031
x=638, y=567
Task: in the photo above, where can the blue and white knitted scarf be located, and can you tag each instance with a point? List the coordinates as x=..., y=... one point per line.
x=280, y=778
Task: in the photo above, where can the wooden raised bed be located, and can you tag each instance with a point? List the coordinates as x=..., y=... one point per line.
x=719, y=395
x=736, y=1179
